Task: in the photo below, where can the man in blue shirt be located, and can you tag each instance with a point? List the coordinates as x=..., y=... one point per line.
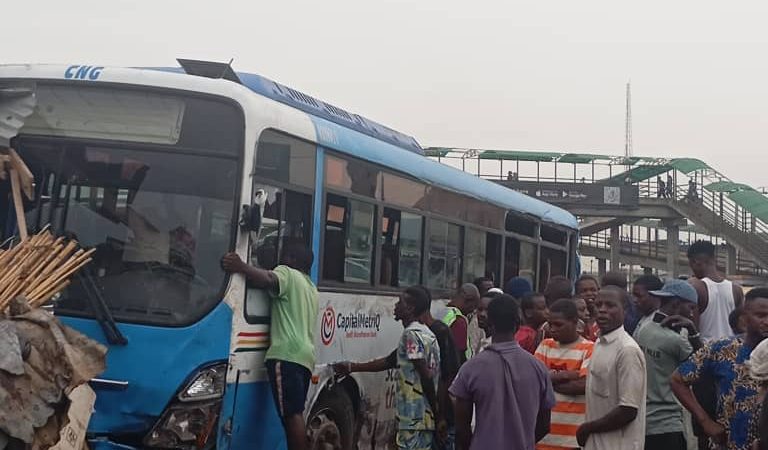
x=724, y=360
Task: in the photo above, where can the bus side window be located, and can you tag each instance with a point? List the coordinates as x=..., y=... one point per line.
x=553, y=262
x=400, y=248
x=349, y=240
x=444, y=255
x=474, y=254
x=390, y=243
x=409, y=268
x=493, y=259
x=287, y=219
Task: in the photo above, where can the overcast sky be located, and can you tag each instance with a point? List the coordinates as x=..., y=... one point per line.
x=505, y=75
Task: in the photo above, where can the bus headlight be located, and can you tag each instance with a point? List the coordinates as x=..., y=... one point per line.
x=189, y=422
x=207, y=384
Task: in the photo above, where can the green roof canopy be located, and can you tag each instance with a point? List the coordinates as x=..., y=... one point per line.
x=640, y=173
x=754, y=202
x=582, y=158
x=515, y=155
x=688, y=165
x=726, y=186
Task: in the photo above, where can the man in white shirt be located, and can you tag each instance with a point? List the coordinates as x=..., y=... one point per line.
x=718, y=297
x=616, y=382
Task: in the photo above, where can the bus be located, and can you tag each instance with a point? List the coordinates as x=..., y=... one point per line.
x=165, y=170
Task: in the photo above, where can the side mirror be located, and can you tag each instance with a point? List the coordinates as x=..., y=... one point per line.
x=250, y=218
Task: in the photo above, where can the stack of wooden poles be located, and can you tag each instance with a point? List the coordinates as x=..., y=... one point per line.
x=39, y=267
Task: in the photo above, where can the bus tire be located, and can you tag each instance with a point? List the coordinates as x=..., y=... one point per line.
x=331, y=423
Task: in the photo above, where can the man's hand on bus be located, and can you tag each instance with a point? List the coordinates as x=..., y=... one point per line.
x=377, y=365
x=232, y=263
x=258, y=278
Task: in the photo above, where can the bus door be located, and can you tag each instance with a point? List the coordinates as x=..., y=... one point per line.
x=249, y=417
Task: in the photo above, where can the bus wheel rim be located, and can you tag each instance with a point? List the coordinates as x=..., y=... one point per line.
x=324, y=433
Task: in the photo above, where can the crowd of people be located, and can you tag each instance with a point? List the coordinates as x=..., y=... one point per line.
x=585, y=364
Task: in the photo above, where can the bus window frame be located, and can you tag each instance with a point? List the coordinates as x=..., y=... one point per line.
x=260, y=319
x=282, y=185
x=375, y=251
x=238, y=158
x=375, y=286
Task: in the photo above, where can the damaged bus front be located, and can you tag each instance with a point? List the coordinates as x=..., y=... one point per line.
x=149, y=177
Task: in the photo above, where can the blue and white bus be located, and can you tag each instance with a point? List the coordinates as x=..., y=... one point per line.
x=164, y=170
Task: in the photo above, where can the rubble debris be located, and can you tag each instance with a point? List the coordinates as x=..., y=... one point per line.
x=56, y=359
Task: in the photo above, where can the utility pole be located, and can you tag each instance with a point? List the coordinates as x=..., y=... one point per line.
x=628, y=123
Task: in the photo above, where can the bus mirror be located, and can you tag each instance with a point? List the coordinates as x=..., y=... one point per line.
x=250, y=219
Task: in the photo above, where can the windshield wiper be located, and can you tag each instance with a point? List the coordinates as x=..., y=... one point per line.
x=101, y=310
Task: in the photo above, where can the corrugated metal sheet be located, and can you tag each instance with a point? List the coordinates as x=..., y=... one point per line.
x=56, y=360
x=16, y=104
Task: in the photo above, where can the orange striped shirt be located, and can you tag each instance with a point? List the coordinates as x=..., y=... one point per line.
x=569, y=411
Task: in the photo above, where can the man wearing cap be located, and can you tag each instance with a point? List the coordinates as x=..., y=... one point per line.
x=667, y=339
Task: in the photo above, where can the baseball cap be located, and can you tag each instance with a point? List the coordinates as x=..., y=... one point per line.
x=677, y=288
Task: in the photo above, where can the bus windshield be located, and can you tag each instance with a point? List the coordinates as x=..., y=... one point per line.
x=160, y=218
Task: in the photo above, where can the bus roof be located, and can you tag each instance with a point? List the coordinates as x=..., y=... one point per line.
x=363, y=138
x=358, y=137
x=316, y=107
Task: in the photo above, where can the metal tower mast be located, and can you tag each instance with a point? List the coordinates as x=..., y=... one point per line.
x=628, y=124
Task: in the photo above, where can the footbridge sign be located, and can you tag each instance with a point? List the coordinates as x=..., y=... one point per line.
x=586, y=194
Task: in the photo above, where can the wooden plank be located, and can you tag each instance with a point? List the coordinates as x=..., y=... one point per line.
x=25, y=175
x=21, y=220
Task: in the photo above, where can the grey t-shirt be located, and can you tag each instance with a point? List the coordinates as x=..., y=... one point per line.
x=508, y=387
x=664, y=350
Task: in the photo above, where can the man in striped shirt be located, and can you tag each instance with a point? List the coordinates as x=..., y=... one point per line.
x=566, y=355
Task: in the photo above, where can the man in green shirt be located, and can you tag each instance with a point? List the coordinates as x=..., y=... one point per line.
x=461, y=306
x=665, y=348
x=291, y=354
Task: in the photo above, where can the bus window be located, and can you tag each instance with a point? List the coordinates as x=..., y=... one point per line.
x=519, y=260
x=528, y=261
x=553, y=262
x=352, y=176
x=554, y=235
x=447, y=203
x=474, y=254
x=400, y=248
x=493, y=258
x=485, y=214
x=287, y=219
x=511, y=259
x=518, y=224
x=285, y=159
x=403, y=192
x=444, y=250
x=158, y=232
x=348, y=247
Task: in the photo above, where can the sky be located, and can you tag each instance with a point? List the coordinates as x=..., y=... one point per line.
x=480, y=74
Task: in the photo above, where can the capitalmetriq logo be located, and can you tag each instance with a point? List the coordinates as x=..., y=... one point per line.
x=328, y=325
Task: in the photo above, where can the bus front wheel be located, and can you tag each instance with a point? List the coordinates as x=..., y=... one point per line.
x=330, y=425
